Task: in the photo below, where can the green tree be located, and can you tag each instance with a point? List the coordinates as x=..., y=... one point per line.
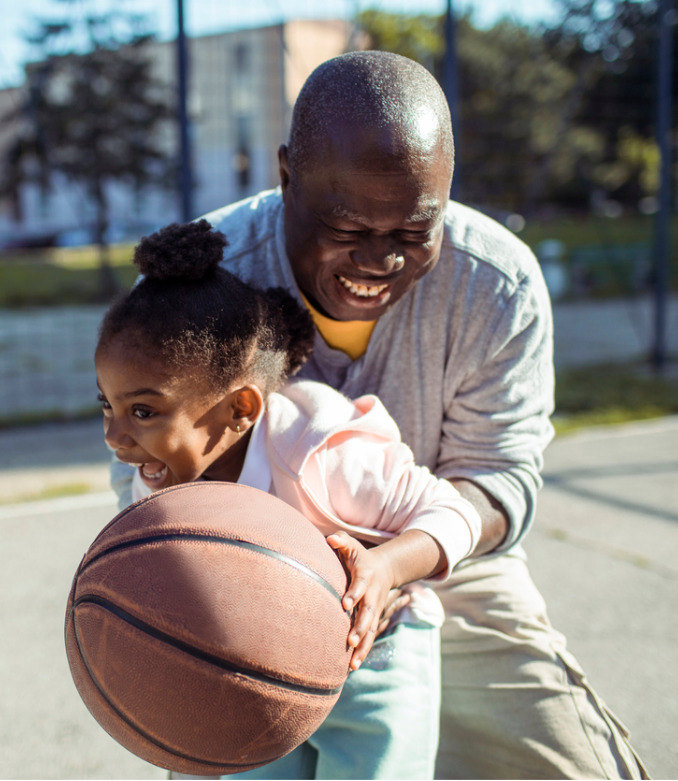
x=419, y=37
x=513, y=96
x=611, y=46
x=512, y=91
x=92, y=111
x=548, y=113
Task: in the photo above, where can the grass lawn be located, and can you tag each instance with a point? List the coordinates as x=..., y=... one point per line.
x=60, y=277
x=600, y=395
x=584, y=230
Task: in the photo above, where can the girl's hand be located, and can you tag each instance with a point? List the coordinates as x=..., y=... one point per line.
x=397, y=599
x=368, y=592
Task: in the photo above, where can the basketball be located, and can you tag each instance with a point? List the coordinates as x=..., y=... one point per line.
x=205, y=631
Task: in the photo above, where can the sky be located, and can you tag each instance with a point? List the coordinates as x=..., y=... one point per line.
x=209, y=16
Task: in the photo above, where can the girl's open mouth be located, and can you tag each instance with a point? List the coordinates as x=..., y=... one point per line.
x=153, y=472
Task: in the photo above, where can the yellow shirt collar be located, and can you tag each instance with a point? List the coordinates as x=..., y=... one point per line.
x=350, y=336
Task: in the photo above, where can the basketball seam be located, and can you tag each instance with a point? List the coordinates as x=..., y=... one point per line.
x=198, y=653
x=234, y=541
x=143, y=733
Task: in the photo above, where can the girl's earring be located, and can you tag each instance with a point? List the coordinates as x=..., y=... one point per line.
x=237, y=428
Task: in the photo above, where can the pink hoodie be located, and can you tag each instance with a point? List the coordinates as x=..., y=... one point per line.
x=343, y=465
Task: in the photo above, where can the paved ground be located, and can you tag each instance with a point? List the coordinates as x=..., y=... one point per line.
x=604, y=552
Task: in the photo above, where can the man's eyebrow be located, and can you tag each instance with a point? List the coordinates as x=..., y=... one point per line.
x=343, y=213
x=424, y=215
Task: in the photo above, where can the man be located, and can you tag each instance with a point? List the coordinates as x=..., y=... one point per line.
x=445, y=316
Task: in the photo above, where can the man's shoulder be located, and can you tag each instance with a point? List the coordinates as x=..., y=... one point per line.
x=480, y=239
x=249, y=223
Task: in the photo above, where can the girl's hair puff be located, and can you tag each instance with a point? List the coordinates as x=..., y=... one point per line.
x=197, y=317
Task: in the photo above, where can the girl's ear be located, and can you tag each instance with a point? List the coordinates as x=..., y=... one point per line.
x=246, y=405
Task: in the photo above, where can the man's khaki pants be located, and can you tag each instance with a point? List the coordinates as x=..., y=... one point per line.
x=515, y=703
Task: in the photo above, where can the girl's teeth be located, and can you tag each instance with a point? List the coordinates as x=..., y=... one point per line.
x=155, y=475
x=364, y=291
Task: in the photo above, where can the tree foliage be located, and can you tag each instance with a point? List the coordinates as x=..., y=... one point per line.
x=549, y=115
x=92, y=111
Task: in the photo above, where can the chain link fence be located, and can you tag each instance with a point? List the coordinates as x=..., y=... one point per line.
x=556, y=110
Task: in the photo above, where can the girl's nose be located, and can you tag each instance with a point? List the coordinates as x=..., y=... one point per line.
x=115, y=434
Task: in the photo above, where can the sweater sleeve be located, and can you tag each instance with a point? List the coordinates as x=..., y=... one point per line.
x=497, y=419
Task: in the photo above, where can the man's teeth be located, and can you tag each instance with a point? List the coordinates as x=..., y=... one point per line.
x=364, y=291
x=153, y=475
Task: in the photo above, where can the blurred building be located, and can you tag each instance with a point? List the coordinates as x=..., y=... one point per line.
x=242, y=86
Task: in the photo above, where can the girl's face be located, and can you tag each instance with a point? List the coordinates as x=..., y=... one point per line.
x=173, y=428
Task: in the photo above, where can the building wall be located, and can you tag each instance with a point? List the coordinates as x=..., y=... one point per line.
x=242, y=86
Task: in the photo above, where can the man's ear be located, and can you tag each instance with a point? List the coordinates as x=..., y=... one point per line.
x=247, y=404
x=283, y=168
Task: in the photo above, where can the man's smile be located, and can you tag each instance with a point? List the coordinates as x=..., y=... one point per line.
x=361, y=290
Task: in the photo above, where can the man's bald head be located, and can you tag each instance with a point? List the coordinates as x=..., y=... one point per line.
x=371, y=102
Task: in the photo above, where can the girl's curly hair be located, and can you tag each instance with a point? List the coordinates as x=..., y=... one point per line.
x=198, y=317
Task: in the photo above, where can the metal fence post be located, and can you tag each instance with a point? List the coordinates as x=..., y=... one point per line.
x=185, y=167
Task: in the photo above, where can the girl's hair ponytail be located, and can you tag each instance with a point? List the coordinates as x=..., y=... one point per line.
x=197, y=317
x=191, y=251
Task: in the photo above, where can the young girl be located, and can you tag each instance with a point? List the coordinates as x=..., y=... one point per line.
x=191, y=366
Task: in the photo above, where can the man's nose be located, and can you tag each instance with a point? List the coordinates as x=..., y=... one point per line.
x=377, y=255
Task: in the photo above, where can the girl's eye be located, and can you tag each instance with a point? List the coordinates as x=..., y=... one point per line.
x=143, y=413
x=102, y=399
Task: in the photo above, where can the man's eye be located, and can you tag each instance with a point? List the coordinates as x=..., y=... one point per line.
x=421, y=237
x=342, y=233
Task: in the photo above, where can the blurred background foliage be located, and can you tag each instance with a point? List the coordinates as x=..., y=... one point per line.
x=551, y=117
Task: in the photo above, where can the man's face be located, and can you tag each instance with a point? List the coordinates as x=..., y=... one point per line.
x=359, y=234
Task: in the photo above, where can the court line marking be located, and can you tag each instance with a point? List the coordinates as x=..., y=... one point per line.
x=58, y=504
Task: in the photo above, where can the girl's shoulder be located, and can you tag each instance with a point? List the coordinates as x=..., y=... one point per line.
x=305, y=415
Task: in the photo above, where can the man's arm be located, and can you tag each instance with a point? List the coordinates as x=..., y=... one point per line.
x=494, y=519
x=498, y=398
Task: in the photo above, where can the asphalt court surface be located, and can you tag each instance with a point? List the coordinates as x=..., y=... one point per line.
x=604, y=552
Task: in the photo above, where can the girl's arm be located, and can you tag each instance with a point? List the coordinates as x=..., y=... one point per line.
x=412, y=555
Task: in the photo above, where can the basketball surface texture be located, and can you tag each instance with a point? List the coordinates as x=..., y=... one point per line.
x=204, y=628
